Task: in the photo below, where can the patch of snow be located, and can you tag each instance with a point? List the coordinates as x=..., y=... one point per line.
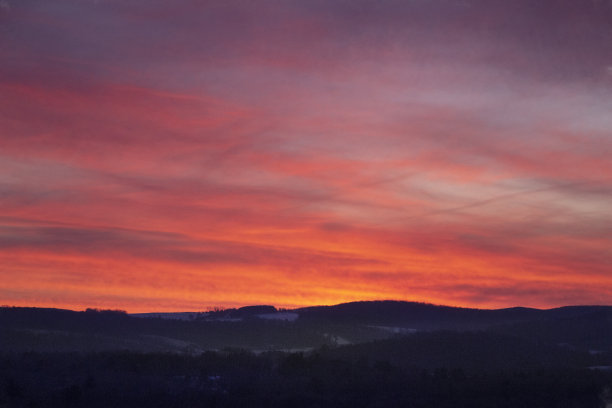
x=170, y=316
x=395, y=330
x=339, y=341
x=287, y=316
x=225, y=319
x=191, y=347
x=282, y=350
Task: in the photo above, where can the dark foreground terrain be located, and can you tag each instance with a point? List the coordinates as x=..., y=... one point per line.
x=367, y=354
x=241, y=379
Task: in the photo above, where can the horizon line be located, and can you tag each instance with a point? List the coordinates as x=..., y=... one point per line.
x=282, y=309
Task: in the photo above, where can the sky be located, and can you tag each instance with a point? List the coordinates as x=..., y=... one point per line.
x=162, y=155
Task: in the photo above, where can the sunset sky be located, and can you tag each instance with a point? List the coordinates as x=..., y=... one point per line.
x=171, y=155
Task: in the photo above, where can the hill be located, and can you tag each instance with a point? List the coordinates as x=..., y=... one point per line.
x=586, y=328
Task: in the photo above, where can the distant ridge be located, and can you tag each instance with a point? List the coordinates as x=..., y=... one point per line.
x=367, y=309
x=383, y=313
x=422, y=316
x=264, y=327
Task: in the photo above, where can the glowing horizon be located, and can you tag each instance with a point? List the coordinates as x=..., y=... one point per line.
x=171, y=156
